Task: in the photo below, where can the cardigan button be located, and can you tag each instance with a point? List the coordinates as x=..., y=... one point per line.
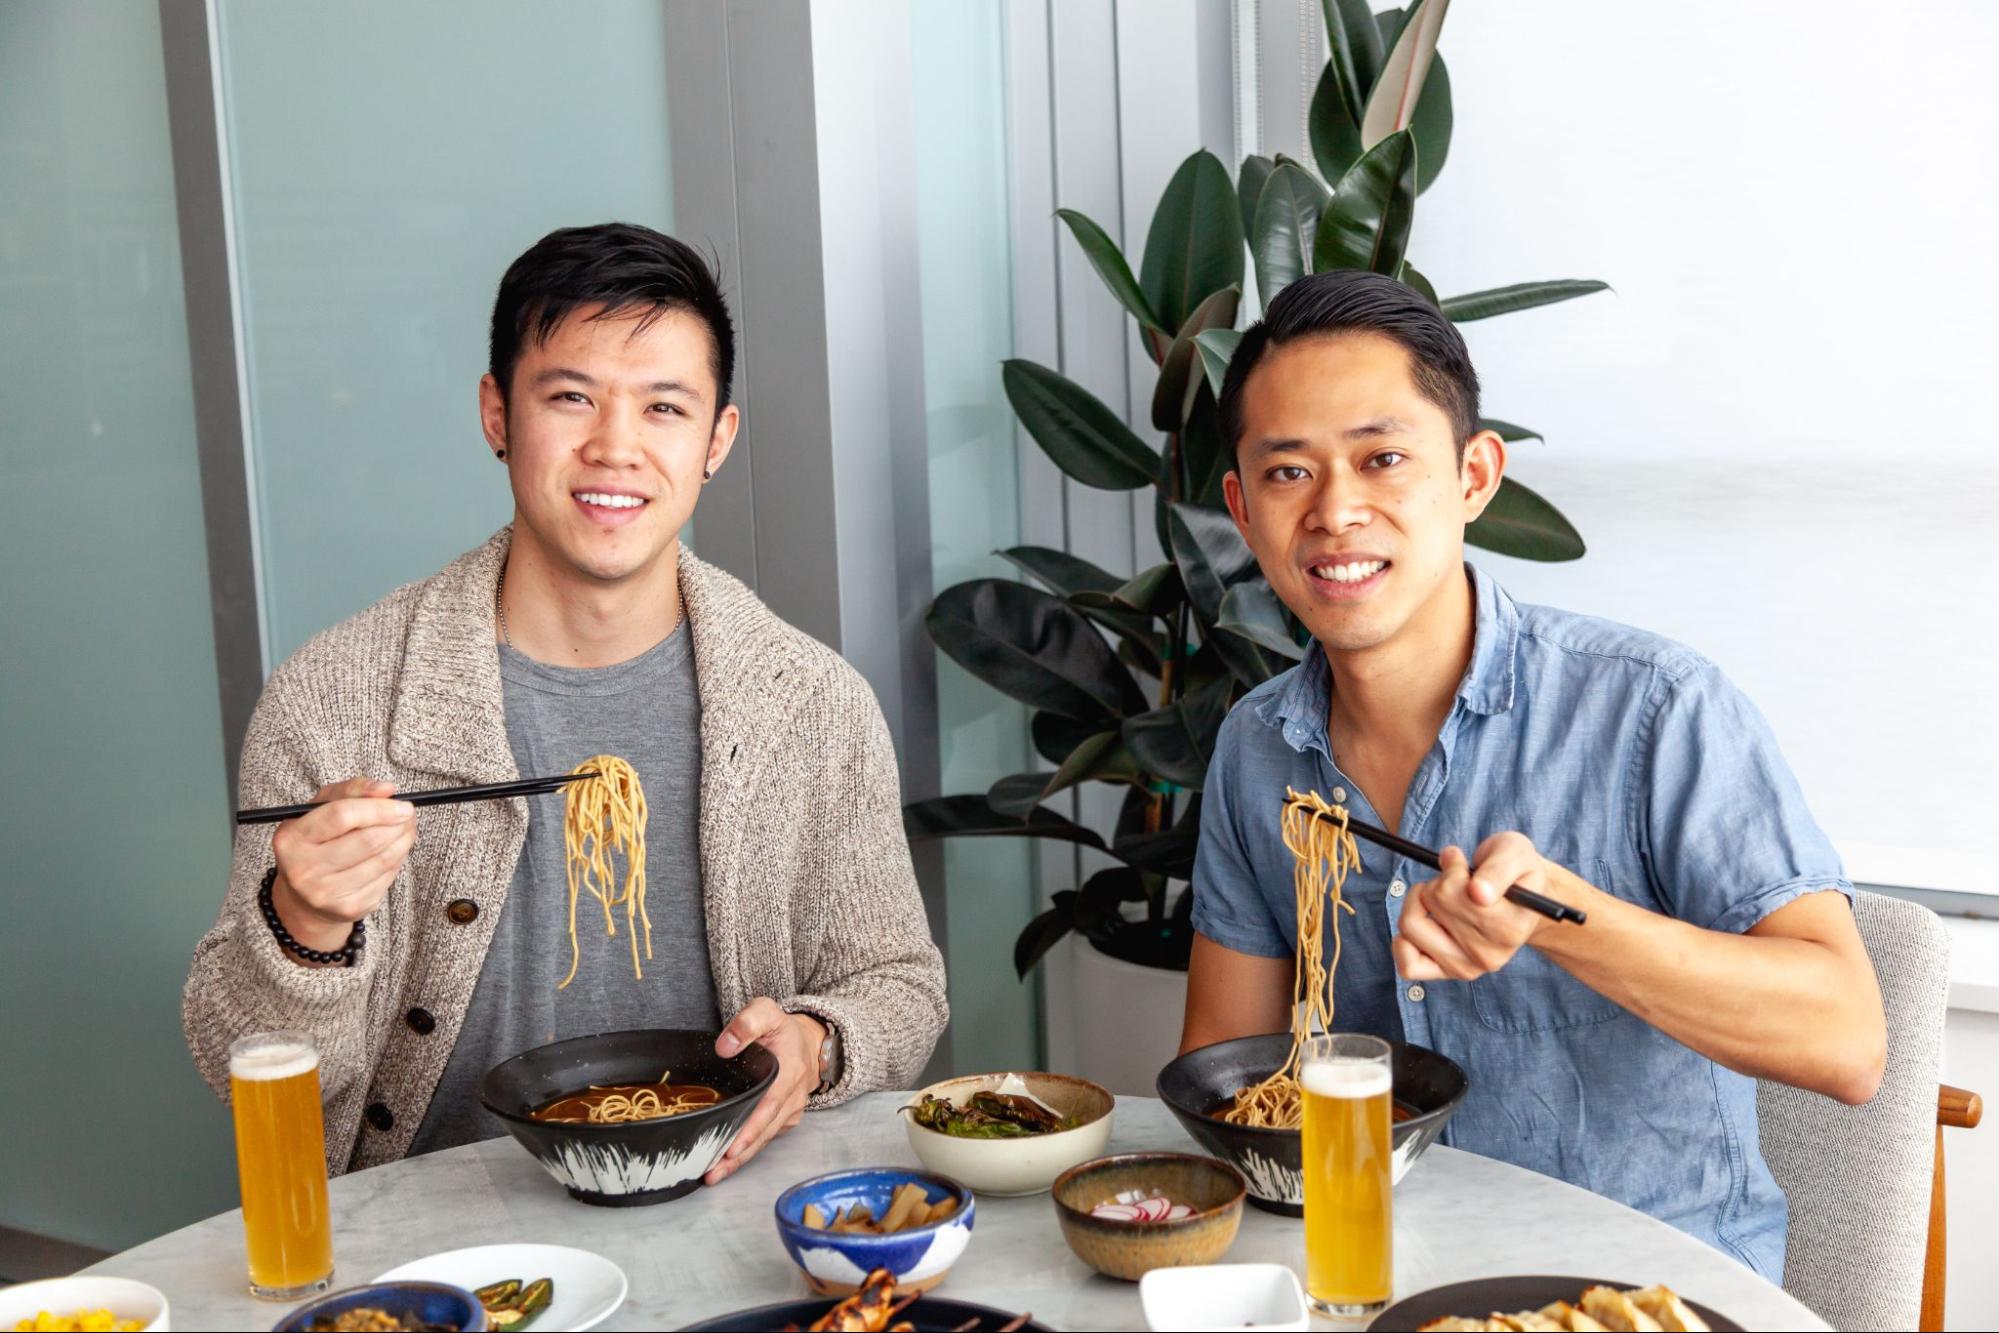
x=378, y=1116
x=421, y=1021
x=462, y=911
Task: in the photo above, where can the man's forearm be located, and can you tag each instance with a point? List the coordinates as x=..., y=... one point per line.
x=1769, y=1006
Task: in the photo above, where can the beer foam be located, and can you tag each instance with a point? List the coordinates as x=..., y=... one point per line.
x=1347, y=1078
x=278, y=1059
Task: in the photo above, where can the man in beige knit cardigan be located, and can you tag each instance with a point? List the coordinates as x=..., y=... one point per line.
x=419, y=949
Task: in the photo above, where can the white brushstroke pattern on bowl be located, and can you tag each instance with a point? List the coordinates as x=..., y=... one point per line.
x=607, y=1169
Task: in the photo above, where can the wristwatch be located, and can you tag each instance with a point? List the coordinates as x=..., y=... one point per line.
x=829, y=1056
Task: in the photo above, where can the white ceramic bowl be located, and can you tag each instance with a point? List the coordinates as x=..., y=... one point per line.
x=1255, y=1296
x=64, y=1296
x=1007, y=1167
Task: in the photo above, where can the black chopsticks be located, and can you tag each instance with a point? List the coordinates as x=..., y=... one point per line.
x=1416, y=851
x=491, y=791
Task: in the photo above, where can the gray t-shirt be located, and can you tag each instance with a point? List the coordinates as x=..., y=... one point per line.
x=647, y=711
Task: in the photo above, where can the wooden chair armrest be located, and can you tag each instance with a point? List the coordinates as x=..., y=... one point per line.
x=1958, y=1108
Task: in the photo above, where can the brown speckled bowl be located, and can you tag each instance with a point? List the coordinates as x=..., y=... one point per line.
x=1130, y=1250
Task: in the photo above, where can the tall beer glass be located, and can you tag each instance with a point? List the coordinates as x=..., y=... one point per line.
x=281, y=1164
x=1348, y=1085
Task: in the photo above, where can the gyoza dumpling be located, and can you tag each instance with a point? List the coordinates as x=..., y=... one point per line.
x=1614, y=1310
x=1674, y=1315
x=1569, y=1317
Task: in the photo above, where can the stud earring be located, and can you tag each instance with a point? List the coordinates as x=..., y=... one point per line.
x=707, y=474
x=500, y=454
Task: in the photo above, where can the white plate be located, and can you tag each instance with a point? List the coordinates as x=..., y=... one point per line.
x=588, y=1287
x=64, y=1296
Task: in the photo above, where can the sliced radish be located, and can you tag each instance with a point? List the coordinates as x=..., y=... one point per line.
x=1179, y=1211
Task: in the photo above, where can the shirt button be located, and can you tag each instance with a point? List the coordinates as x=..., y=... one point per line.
x=462, y=911
x=1416, y=994
x=1396, y=888
x=378, y=1116
x=1339, y=793
x=421, y=1021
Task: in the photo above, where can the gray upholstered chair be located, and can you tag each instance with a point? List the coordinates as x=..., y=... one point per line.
x=1865, y=1183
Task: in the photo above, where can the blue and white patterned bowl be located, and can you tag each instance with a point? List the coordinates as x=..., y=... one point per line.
x=835, y=1263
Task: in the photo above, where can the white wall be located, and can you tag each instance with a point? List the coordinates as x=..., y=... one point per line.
x=1778, y=436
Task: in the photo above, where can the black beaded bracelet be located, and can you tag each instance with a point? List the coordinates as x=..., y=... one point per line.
x=347, y=955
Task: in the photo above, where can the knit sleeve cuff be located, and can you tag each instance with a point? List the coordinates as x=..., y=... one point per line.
x=858, y=1056
x=292, y=994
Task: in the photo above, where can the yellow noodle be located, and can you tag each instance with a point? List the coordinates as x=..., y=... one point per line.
x=601, y=817
x=1322, y=851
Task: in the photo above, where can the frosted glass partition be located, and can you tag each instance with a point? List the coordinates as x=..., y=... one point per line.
x=390, y=160
x=966, y=275
x=114, y=825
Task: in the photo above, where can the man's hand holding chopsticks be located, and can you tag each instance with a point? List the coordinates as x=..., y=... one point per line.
x=1460, y=926
x=336, y=863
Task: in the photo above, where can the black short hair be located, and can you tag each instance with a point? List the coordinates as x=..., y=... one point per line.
x=1353, y=301
x=620, y=266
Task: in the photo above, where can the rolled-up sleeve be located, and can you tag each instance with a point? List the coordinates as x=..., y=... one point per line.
x=1229, y=905
x=1727, y=834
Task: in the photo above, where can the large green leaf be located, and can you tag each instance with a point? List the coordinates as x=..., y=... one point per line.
x=1410, y=38
x=1208, y=457
x=1366, y=225
x=1173, y=391
x=1102, y=758
x=1520, y=523
x=1248, y=662
x=1017, y=794
x=1032, y=647
x=1507, y=431
x=1176, y=742
x=1156, y=592
x=1194, y=248
x=1287, y=223
x=1109, y=262
x=973, y=817
x=1056, y=737
x=1412, y=278
x=1518, y=296
x=1210, y=554
x=1252, y=611
x=1332, y=128
x=1255, y=170
x=1169, y=852
x=1073, y=427
x=1067, y=575
x=1061, y=572
x=1044, y=932
x=1217, y=348
x=1353, y=53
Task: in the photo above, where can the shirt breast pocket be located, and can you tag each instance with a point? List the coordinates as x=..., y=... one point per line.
x=1534, y=994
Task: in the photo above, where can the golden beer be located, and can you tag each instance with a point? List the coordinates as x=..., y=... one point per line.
x=1347, y=1089
x=281, y=1164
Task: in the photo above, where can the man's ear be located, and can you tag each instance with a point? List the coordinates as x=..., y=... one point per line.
x=1483, y=467
x=1237, y=501
x=722, y=438
x=493, y=415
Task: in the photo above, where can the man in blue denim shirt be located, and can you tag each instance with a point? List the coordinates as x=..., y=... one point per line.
x=1603, y=766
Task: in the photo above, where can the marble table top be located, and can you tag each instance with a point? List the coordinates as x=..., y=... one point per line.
x=1457, y=1216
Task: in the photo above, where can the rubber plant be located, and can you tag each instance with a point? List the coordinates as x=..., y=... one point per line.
x=1129, y=676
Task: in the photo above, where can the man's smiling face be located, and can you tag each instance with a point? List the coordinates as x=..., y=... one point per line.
x=609, y=424
x=1349, y=488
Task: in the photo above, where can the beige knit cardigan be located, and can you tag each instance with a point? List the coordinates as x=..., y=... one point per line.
x=806, y=877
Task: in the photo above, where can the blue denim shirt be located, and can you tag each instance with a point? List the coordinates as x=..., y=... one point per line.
x=1630, y=760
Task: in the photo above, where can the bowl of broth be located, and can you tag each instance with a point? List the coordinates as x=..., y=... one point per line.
x=628, y=1118
x=1200, y=1085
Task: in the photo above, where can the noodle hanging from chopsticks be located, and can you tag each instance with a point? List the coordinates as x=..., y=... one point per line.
x=1323, y=850
x=603, y=816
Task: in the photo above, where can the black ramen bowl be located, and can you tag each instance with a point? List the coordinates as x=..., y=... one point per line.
x=1204, y=1081
x=642, y=1161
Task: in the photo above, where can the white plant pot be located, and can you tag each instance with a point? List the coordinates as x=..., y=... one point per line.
x=1124, y=1019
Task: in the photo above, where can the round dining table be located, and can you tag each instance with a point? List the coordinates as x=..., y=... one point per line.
x=1457, y=1216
